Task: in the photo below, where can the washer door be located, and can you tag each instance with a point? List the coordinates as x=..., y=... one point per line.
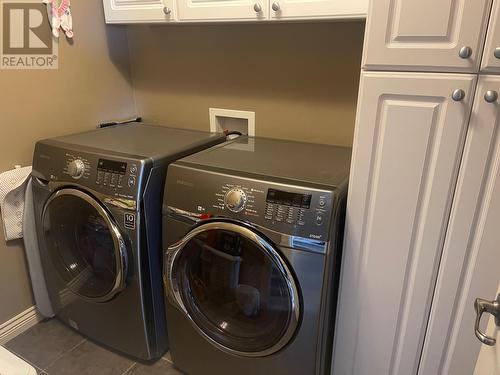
x=235, y=288
x=84, y=245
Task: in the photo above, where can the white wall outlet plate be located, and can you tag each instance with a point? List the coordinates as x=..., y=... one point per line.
x=232, y=120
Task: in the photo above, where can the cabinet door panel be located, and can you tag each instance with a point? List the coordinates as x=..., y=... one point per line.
x=470, y=265
x=141, y=11
x=408, y=141
x=222, y=10
x=307, y=9
x=425, y=35
x=491, y=55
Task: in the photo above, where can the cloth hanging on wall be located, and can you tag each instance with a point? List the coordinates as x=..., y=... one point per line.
x=60, y=17
x=12, y=187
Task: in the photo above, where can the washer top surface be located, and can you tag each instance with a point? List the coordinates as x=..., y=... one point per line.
x=296, y=161
x=147, y=141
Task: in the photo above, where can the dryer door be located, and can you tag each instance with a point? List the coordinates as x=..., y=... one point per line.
x=235, y=287
x=84, y=245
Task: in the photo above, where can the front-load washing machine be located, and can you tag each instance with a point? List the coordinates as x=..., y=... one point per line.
x=98, y=198
x=252, y=241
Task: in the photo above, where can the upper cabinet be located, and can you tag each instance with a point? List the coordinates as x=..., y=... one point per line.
x=426, y=35
x=173, y=11
x=307, y=9
x=222, y=10
x=139, y=11
x=491, y=55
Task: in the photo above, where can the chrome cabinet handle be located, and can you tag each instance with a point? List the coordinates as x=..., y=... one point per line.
x=458, y=95
x=491, y=307
x=496, y=53
x=465, y=52
x=257, y=7
x=276, y=7
x=491, y=96
x=167, y=10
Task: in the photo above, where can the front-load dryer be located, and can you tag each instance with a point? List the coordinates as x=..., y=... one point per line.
x=98, y=199
x=252, y=240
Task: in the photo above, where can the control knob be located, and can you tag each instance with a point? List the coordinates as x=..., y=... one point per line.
x=235, y=200
x=76, y=169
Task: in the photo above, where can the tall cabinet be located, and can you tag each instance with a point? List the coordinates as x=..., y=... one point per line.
x=423, y=196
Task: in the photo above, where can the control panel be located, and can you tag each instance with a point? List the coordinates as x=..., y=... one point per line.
x=112, y=176
x=288, y=209
x=111, y=173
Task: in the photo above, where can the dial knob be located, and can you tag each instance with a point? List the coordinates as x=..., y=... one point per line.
x=235, y=200
x=76, y=168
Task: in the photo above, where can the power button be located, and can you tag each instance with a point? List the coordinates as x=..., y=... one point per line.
x=131, y=181
x=319, y=219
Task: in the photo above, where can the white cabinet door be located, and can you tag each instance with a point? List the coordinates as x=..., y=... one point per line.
x=470, y=265
x=140, y=11
x=425, y=35
x=222, y=10
x=408, y=141
x=312, y=9
x=491, y=55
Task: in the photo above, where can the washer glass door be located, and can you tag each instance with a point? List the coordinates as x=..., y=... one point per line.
x=236, y=288
x=84, y=245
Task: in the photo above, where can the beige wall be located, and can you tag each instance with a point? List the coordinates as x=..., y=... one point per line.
x=91, y=85
x=300, y=79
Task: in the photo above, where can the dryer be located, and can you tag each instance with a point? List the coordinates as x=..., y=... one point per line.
x=97, y=198
x=252, y=244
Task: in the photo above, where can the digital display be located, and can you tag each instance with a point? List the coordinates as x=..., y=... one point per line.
x=288, y=199
x=112, y=166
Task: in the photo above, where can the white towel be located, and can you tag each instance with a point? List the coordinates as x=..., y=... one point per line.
x=12, y=187
x=11, y=364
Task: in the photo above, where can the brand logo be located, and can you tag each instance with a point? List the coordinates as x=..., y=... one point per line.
x=26, y=37
x=185, y=183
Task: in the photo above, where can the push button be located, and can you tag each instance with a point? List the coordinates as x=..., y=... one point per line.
x=107, y=177
x=100, y=177
x=114, y=180
x=322, y=202
x=131, y=181
x=319, y=219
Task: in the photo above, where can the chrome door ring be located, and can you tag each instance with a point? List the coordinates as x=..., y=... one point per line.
x=170, y=258
x=119, y=243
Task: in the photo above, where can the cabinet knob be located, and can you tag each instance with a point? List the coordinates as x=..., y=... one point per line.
x=465, y=52
x=276, y=7
x=257, y=7
x=458, y=95
x=496, y=53
x=167, y=11
x=491, y=96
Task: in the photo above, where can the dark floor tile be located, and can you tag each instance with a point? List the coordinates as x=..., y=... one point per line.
x=160, y=367
x=90, y=359
x=44, y=343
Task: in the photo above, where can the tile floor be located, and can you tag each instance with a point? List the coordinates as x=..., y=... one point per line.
x=54, y=349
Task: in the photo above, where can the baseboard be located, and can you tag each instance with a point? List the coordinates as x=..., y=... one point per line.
x=18, y=324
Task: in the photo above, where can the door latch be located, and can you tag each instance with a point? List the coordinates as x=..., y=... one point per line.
x=491, y=307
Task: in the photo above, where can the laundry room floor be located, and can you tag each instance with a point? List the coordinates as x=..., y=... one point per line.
x=54, y=349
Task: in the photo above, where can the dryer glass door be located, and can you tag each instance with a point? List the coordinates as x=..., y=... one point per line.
x=236, y=288
x=84, y=245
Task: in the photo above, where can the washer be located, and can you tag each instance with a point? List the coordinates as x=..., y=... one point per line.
x=252, y=243
x=97, y=198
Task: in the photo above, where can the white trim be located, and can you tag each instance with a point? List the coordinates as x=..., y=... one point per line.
x=18, y=324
